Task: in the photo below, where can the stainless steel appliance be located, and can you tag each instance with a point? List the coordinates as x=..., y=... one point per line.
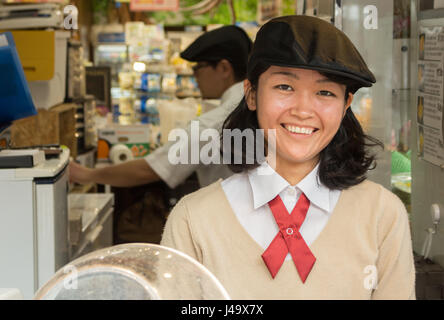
x=90, y=222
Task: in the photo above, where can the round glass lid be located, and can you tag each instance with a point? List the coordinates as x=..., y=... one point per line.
x=133, y=272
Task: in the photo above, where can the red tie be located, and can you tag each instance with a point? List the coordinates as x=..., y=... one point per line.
x=289, y=239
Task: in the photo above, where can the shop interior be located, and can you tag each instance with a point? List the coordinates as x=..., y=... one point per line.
x=106, y=84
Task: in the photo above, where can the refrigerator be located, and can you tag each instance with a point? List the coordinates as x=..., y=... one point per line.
x=427, y=130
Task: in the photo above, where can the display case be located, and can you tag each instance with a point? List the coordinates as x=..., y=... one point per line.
x=113, y=55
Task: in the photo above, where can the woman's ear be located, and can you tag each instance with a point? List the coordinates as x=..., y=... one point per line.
x=348, y=102
x=250, y=97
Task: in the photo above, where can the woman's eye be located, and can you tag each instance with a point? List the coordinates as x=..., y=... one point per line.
x=327, y=93
x=284, y=87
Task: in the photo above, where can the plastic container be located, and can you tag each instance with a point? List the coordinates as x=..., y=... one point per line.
x=176, y=114
x=400, y=163
x=133, y=272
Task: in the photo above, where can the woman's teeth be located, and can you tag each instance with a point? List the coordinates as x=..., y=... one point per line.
x=295, y=129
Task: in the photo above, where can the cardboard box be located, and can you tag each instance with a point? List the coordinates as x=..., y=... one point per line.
x=135, y=137
x=54, y=126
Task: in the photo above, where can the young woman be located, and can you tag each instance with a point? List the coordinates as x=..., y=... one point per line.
x=314, y=228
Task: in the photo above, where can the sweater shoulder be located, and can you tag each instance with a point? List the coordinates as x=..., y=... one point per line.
x=205, y=200
x=204, y=192
x=371, y=191
x=382, y=202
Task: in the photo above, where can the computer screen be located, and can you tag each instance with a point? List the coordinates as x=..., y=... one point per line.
x=15, y=97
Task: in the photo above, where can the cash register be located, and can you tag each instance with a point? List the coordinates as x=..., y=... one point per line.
x=33, y=191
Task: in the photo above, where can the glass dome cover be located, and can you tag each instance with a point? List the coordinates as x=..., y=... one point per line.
x=133, y=272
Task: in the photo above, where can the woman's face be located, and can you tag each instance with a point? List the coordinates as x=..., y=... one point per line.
x=304, y=107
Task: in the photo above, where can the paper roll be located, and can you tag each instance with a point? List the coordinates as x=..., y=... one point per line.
x=120, y=153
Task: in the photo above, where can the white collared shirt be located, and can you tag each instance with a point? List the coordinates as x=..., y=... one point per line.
x=249, y=193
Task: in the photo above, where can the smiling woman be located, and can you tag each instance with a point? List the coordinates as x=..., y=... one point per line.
x=310, y=226
x=309, y=101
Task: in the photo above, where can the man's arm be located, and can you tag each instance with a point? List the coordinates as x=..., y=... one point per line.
x=156, y=166
x=127, y=174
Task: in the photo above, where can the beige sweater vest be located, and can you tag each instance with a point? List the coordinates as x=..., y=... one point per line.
x=364, y=251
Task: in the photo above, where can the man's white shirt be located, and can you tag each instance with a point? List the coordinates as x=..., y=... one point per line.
x=174, y=174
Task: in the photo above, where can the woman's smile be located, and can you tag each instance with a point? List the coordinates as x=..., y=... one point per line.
x=299, y=130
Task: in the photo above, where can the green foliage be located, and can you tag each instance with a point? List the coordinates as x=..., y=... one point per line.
x=245, y=11
x=288, y=7
x=100, y=5
x=221, y=14
x=100, y=9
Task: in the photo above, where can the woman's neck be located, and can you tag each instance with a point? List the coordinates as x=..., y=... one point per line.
x=295, y=172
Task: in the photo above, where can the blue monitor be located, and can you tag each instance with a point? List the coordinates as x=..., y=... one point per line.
x=15, y=97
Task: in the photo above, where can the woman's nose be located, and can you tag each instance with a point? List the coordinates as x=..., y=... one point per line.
x=302, y=106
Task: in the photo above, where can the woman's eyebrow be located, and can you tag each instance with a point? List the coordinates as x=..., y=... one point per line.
x=285, y=73
x=324, y=80
x=295, y=76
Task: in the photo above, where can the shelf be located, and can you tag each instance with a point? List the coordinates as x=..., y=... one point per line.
x=86, y=188
x=431, y=14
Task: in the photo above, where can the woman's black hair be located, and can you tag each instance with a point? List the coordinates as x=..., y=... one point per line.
x=344, y=162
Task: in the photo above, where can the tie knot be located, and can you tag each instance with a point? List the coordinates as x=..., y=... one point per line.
x=290, y=232
x=285, y=220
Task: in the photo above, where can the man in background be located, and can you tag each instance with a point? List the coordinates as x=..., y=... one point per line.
x=221, y=57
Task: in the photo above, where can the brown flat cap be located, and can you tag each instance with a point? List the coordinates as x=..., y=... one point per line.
x=309, y=43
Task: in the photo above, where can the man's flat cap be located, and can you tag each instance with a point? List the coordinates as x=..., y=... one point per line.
x=309, y=43
x=228, y=42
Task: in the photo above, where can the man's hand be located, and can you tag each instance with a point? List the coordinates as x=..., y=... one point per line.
x=128, y=174
x=79, y=173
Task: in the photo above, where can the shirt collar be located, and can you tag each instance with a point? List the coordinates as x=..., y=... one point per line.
x=315, y=191
x=237, y=88
x=266, y=187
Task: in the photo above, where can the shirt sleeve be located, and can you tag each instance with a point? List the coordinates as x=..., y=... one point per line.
x=395, y=265
x=172, y=174
x=178, y=233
